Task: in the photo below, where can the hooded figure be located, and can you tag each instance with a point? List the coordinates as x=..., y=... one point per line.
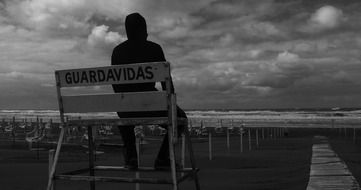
x=136, y=27
x=138, y=50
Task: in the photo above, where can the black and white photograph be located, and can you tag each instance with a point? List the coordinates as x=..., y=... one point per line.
x=180, y=94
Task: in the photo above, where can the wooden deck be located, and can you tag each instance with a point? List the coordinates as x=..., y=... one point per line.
x=328, y=171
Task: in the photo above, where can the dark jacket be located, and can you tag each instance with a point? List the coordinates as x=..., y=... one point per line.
x=138, y=50
x=133, y=51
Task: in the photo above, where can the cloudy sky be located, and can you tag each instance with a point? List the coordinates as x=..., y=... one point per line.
x=225, y=53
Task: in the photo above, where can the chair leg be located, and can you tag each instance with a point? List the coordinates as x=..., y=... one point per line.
x=91, y=156
x=172, y=157
x=191, y=157
x=56, y=157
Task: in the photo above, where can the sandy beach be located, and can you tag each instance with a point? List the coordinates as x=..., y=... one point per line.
x=277, y=163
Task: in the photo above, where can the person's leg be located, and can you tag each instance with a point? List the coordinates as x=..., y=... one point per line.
x=163, y=154
x=129, y=151
x=162, y=159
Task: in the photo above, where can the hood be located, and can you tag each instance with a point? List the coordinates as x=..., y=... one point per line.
x=136, y=27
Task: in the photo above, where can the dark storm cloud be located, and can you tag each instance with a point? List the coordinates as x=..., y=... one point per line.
x=224, y=53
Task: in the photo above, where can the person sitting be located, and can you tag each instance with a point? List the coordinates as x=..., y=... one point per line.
x=137, y=49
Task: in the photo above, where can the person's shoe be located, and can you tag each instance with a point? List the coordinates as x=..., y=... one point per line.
x=164, y=165
x=131, y=164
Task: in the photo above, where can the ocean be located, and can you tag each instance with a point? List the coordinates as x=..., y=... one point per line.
x=333, y=117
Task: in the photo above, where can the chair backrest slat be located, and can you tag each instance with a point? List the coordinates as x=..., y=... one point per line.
x=118, y=74
x=120, y=102
x=115, y=102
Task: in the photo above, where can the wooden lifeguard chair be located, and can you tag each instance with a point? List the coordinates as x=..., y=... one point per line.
x=121, y=102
